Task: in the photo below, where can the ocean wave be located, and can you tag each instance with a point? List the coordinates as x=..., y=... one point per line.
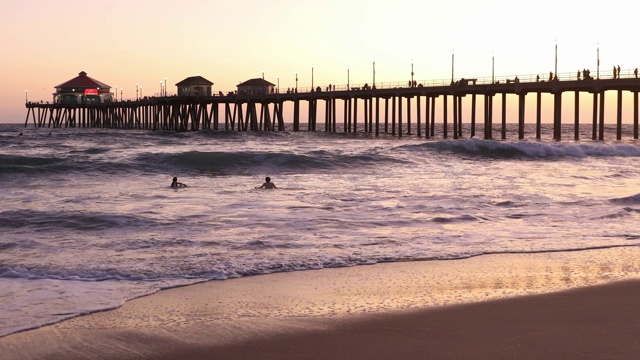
x=628, y=200
x=527, y=149
x=251, y=162
x=83, y=221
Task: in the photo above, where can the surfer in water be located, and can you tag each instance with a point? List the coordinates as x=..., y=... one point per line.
x=267, y=184
x=176, y=184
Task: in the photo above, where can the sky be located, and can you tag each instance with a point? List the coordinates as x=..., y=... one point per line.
x=127, y=42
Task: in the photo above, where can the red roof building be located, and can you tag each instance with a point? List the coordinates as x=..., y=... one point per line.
x=81, y=90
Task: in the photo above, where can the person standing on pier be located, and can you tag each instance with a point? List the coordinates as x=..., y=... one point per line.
x=618, y=71
x=614, y=71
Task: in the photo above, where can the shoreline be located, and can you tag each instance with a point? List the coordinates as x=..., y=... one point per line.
x=269, y=314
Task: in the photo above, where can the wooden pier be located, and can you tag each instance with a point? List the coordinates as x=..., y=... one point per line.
x=266, y=112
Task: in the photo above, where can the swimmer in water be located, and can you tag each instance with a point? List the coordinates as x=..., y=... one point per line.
x=176, y=184
x=267, y=184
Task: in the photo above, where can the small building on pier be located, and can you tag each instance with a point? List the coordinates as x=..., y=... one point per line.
x=256, y=86
x=194, y=86
x=82, y=89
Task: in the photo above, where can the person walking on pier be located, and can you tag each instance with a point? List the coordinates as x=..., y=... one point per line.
x=267, y=184
x=618, y=71
x=614, y=71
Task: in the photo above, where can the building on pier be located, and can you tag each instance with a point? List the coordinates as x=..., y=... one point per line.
x=256, y=86
x=194, y=86
x=82, y=89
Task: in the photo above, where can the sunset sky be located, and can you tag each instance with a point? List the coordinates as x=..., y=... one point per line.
x=124, y=42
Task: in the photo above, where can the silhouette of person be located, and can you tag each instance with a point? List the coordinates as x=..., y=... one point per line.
x=635, y=73
x=579, y=74
x=614, y=71
x=267, y=184
x=550, y=75
x=176, y=184
x=537, y=78
x=618, y=71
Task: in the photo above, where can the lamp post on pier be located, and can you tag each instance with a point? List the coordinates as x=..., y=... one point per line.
x=598, y=64
x=411, y=72
x=452, y=63
x=347, y=77
x=493, y=67
x=137, y=86
x=161, y=91
x=140, y=91
x=26, y=96
x=556, y=62
x=165, y=86
x=121, y=90
x=116, y=93
x=278, y=89
x=374, y=73
x=311, y=77
x=296, y=81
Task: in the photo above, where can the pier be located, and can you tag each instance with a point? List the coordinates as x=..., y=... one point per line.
x=265, y=112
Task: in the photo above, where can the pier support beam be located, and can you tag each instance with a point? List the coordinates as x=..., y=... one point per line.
x=635, y=115
x=619, y=118
x=594, y=135
x=377, y=116
x=557, y=114
x=427, y=131
x=473, y=116
x=601, y=124
x=445, y=124
x=521, y=105
x=400, y=116
x=538, y=115
x=455, y=117
x=393, y=115
x=504, y=116
x=433, y=116
x=576, y=126
x=418, y=113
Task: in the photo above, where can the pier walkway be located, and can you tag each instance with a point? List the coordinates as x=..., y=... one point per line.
x=265, y=112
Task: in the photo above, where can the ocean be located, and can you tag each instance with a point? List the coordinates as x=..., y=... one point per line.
x=88, y=220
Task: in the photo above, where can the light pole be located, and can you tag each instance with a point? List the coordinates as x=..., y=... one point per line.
x=374, y=73
x=116, y=93
x=348, y=77
x=278, y=89
x=311, y=77
x=262, y=74
x=452, y=65
x=411, y=72
x=137, y=86
x=26, y=96
x=598, y=65
x=493, y=67
x=556, y=62
x=140, y=91
x=121, y=89
x=161, y=91
x=165, y=86
x=296, y=81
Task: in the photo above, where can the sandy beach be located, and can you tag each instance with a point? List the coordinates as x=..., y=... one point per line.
x=565, y=305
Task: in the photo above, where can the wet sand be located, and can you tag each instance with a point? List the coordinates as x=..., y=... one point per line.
x=569, y=305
